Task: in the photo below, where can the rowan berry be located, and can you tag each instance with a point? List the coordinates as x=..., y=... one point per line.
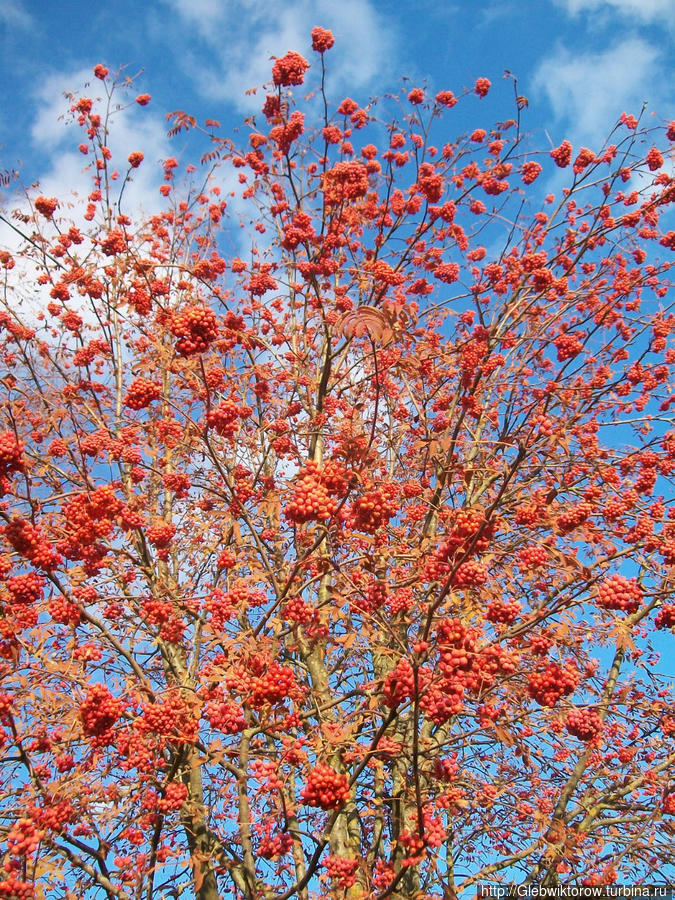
x=554, y=682
x=99, y=711
x=196, y=327
x=584, y=723
x=666, y=616
x=141, y=393
x=620, y=593
x=342, y=870
x=290, y=69
x=11, y=454
x=326, y=788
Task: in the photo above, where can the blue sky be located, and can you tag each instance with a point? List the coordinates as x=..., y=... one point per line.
x=579, y=62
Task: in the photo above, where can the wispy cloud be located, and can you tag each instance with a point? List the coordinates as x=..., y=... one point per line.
x=242, y=36
x=639, y=10
x=589, y=91
x=13, y=15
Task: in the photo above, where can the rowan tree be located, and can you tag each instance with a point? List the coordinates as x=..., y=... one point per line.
x=337, y=551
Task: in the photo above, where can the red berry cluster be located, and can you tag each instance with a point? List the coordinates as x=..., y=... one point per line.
x=568, y=346
x=298, y=611
x=196, y=327
x=666, y=616
x=29, y=542
x=374, y=508
x=178, y=482
x=584, y=723
x=311, y=499
x=574, y=516
x=470, y=574
x=11, y=454
x=620, y=593
x=326, y=788
x=272, y=846
x=533, y=557
x=141, y=393
x=14, y=889
x=61, y=610
x=399, y=685
x=554, y=682
x=272, y=686
x=470, y=529
x=226, y=560
x=226, y=716
x=24, y=837
x=175, y=794
x=504, y=613
x=224, y=418
x=160, y=534
x=26, y=589
x=99, y=711
x=668, y=808
x=289, y=69
x=342, y=870
x=413, y=848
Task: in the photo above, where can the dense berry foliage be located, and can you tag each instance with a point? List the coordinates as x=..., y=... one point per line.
x=339, y=564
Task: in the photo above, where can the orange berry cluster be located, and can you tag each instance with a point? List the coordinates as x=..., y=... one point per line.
x=503, y=613
x=175, y=794
x=668, y=808
x=23, y=837
x=326, y=788
x=29, y=542
x=196, y=327
x=11, y=453
x=227, y=716
x=620, y=593
x=14, y=889
x=470, y=574
x=554, y=682
x=568, y=346
x=311, y=500
x=61, y=610
x=224, y=418
x=342, y=870
x=99, y=711
x=26, y=588
x=470, y=529
x=169, y=718
x=584, y=723
x=272, y=686
x=666, y=616
x=533, y=557
x=160, y=534
x=374, y=509
x=573, y=517
x=141, y=393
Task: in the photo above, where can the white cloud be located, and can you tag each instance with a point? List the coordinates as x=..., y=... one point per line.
x=589, y=91
x=640, y=10
x=13, y=15
x=243, y=35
